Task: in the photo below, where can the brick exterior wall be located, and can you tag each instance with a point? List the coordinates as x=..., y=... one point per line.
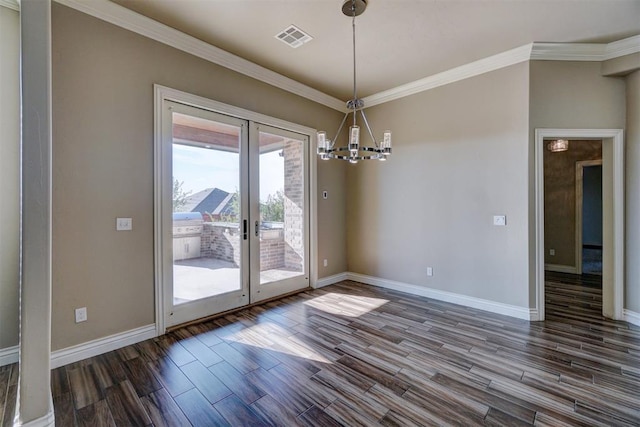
x=222, y=241
x=293, y=205
x=272, y=249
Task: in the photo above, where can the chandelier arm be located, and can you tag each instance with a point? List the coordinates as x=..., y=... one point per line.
x=366, y=123
x=341, y=157
x=344, y=119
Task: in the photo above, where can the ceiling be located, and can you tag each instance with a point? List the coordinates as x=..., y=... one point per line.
x=398, y=41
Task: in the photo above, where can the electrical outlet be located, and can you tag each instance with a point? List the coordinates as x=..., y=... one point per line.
x=552, y=252
x=429, y=271
x=325, y=263
x=124, y=224
x=81, y=314
x=500, y=220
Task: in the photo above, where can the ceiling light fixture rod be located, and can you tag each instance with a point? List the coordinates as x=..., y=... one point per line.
x=354, y=151
x=353, y=26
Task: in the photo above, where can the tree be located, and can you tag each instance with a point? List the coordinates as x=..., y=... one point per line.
x=179, y=195
x=273, y=208
x=231, y=214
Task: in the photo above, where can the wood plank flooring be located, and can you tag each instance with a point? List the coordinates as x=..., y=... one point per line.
x=351, y=354
x=8, y=393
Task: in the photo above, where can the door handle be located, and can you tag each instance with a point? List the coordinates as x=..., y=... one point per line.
x=257, y=228
x=244, y=229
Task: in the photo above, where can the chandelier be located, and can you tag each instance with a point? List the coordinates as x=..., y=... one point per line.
x=353, y=150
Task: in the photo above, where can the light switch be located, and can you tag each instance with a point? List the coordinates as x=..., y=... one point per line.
x=500, y=220
x=124, y=224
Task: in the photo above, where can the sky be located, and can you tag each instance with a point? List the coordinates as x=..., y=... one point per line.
x=201, y=168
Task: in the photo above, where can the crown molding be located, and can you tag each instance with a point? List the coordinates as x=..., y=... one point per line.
x=10, y=4
x=531, y=52
x=485, y=65
x=622, y=47
x=568, y=51
x=132, y=21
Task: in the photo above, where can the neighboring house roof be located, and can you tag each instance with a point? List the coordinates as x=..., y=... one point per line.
x=211, y=200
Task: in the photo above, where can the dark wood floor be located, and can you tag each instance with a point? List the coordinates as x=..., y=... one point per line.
x=8, y=393
x=351, y=354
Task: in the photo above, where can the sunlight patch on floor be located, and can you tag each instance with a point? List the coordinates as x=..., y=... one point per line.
x=273, y=337
x=345, y=304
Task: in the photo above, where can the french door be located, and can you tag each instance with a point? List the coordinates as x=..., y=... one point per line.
x=234, y=212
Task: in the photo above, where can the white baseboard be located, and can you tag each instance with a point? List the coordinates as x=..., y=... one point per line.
x=9, y=355
x=101, y=345
x=467, y=301
x=561, y=268
x=330, y=280
x=47, y=420
x=534, y=316
x=631, y=317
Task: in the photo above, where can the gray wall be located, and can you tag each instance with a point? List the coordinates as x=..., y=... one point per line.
x=632, y=162
x=460, y=157
x=569, y=95
x=103, y=80
x=9, y=176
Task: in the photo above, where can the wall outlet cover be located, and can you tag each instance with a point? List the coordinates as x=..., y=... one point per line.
x=500, y=220
x=81, y=314
x=124, y=224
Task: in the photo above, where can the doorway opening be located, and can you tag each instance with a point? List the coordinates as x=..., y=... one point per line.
x=573, y=230
x=561, y=244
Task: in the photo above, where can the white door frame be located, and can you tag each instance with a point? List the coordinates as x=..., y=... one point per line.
x=163, y=93
x=258, y=291
x=613, y=160
x=580, y=165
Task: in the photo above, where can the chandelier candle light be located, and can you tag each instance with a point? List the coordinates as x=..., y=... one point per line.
x=558, y=145
x=354, y=151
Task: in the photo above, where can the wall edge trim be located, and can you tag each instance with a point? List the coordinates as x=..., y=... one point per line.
x=10, y=4
x=101, y=345
x=330, y=280
x=534, y=316
x=559, y=268
x=622, y=47
x=631, y=317
x=568, y=51
x=9, y=355
x=47, y=420
x=523, y=313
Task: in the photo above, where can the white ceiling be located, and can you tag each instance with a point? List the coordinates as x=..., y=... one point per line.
x=398, y=41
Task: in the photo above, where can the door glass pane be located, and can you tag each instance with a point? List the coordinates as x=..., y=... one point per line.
x=206, y=213
x=281, y=208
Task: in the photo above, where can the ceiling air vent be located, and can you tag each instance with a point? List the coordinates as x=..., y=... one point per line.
x=293, y=36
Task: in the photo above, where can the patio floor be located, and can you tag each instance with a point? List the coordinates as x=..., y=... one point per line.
x=198, y=278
